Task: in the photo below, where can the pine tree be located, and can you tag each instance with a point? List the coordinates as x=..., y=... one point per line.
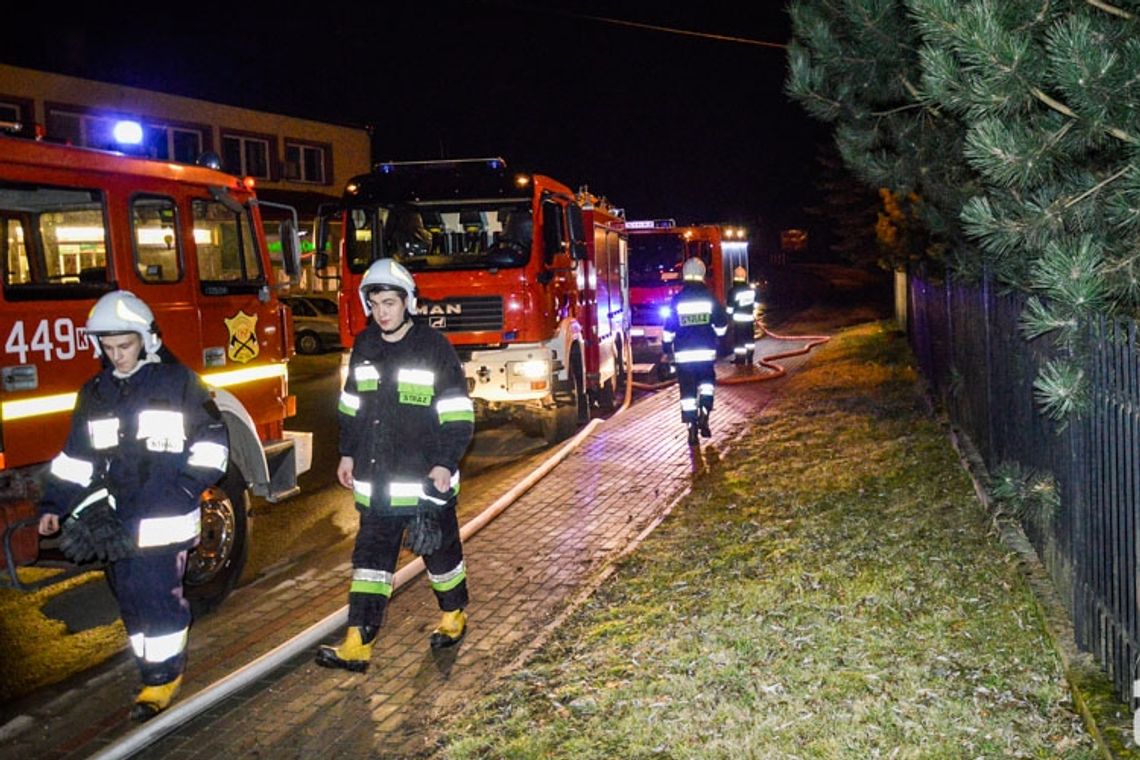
x=856, y=65
x=847, y=210
x=1018, y=123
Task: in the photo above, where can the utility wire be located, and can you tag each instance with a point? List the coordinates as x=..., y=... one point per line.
x=655, y=27
x=683, y=32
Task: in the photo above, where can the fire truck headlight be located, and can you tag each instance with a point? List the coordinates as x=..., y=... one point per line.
x=664, y=312
x=533, y=369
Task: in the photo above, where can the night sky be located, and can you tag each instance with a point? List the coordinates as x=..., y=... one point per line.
x=663, y=124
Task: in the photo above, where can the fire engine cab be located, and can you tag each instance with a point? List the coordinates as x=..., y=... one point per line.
x=189, y=241
x=658, y=250
x=529, y=290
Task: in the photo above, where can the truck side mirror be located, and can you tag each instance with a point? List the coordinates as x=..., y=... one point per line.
x=321, y=249
x=577, y=233
x=552, y=236
x=291, y=249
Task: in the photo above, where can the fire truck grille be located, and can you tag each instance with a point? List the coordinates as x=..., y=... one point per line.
x=464, y=314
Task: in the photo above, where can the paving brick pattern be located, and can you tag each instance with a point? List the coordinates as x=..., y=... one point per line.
x=525, y=568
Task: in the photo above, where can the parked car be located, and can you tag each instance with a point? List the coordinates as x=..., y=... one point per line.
x=315, y=324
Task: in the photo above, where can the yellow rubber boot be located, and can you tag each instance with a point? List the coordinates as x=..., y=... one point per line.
x=351, y=654
x=450, y=629
x=154, y=699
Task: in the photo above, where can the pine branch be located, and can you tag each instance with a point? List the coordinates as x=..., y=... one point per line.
x=1060, y=107
x=1110, y=8
x=1061, y=391
x=1096, y=188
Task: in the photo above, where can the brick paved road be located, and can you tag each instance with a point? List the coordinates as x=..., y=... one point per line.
x=525, y=568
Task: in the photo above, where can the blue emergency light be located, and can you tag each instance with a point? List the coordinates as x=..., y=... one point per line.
x=127, y=132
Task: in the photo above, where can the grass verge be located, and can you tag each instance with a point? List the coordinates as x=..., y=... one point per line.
x=37, y=650
x=830, y=589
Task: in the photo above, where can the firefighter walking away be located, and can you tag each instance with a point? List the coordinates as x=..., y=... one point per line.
x=405, y=421
x=742, y=309
x=692, y=331
x=146, y=440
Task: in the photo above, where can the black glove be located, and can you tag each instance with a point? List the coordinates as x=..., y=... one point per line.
x=93, y=530
x=75, y=541
x=424, y=535
x=107, y=533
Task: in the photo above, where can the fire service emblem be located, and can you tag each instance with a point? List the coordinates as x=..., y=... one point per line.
x=242, y=345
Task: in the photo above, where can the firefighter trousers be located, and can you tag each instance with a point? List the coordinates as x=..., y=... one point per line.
x=148, y=588
x=374, y=566
x=743, y=342
x=697, y=383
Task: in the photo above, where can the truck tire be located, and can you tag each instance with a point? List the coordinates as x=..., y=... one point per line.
x=614, y=388
x=215, y=564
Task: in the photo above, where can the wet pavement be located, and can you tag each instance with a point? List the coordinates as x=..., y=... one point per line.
x=526, y=568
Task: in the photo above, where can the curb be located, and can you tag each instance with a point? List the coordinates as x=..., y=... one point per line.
x=1107, y=719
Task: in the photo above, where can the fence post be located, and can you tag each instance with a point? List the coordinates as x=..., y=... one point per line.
x=986, y=293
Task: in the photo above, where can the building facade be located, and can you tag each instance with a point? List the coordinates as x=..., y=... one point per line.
x=298, y=162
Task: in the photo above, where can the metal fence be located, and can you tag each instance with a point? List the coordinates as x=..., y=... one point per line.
x=982, y=368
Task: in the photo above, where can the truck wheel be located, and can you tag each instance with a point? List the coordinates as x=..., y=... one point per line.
x=215, y=564
x=308, y=343
x=614, y=388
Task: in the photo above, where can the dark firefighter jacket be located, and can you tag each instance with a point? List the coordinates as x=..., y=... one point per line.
x=155, y=439
x=404, y=410
x=742, y=303
x=696, y=321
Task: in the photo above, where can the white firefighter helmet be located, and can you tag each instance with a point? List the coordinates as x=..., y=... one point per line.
x=119, y=312
x=693, y=270
x=739, y=274
x=387, y=274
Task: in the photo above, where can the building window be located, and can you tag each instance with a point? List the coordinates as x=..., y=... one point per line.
x=173, y=143
x=84, y=129
x=11, y=113
x=246, y=156
x=305, y=163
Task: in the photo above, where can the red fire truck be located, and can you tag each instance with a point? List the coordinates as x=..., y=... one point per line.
x=658, y=249
x=189, y=241
x=603, y=284
x=529, y=289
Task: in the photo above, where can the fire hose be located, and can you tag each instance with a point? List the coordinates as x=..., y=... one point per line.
x=185, y=711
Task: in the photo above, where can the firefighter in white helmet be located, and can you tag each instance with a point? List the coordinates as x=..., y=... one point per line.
x=695, y=324
x=146, y=440
x=405, y=422
x=742, y=309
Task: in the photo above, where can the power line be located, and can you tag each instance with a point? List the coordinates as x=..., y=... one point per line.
x=674, y=30
x=640, y=25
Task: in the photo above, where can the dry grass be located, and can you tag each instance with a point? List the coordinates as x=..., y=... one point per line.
x=37, y=650
x=829, y=591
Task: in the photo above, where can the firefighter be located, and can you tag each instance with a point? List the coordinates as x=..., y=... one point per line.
x=405, y=421
x=742, y=308
x=146, y=440
x=696, y=322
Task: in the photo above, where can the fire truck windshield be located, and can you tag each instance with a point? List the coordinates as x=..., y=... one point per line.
x=655, y=259
x=434, y=236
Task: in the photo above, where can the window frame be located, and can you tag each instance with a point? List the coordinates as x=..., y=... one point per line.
x=33, y=243
x=271, y=152
x=179, y=256
x=325, y=150
x=245, y=285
